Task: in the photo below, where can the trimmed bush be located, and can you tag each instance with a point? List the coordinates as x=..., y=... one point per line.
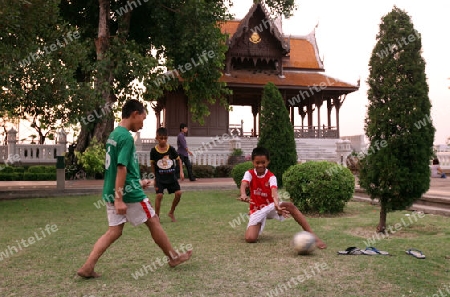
x=319, y=186
x=201, y=171
x=11, y=176
x=238, y=172
x=7, y=169
x=11, y=169
x=42, y=169
x=223, y=171
x=39, y=176
x=146, y=171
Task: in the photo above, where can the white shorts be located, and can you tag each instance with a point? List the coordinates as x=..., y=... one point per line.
x=260, y=216
x=137, y=213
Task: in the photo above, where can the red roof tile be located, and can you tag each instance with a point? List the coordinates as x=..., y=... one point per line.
x=296, y=79
x=302, y=55
x=229, y=27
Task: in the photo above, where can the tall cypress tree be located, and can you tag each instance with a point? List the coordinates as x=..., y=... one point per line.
x=276, y=132
x=398, y=123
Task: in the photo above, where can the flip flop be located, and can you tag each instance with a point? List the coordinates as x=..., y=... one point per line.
x=353, y=250
x=370, y=250
x=415, y=253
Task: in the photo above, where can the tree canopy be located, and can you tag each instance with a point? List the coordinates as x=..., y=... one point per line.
x=122, y=48
x=39, y=53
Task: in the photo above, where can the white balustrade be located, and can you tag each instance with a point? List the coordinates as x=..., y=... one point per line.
x=210, y=158
x=143, y=158
x=37, y=153
x=444, y=159
x=32, y=154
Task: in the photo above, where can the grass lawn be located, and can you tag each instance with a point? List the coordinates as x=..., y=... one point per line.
x=35, y=261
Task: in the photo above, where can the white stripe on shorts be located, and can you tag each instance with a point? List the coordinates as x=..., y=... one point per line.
x=260, y=216
x=137, y=213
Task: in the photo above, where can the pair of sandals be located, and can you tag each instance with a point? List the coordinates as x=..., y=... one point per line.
x=373, y=251
x=370, y=251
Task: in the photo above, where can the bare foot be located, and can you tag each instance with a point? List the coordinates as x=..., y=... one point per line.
x=320, y=244
x=180, y=259
x=172, y=217
x=87, y=274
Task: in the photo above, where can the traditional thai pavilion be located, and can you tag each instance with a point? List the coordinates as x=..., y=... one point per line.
x=259, y=53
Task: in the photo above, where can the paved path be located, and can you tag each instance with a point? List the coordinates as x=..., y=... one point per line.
x=33, y=189
x=435, y=201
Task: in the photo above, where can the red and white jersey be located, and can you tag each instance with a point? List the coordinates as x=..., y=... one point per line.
x=260, y=188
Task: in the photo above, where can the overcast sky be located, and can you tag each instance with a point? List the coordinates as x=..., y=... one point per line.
x=346, y=37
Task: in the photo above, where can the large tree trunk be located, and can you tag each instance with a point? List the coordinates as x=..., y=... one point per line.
x=104, y=125
x=382, y=224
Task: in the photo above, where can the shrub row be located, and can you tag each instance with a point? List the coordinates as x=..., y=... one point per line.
x=208, y=171
x=37, y=172
x=200, y=171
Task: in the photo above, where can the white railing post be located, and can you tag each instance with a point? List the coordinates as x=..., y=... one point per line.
x=11, y=143
x=62, y=142
x=138, y=141
x=343, y=150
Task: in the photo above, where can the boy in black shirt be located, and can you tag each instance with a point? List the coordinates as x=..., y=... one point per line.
x=163, y=158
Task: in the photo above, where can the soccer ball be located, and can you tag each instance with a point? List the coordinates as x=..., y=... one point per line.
x=304, y=243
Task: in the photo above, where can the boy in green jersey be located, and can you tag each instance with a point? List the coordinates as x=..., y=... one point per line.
x=123, y=192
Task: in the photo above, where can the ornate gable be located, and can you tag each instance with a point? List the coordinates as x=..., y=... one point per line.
x=258, y=22
x=257, y=43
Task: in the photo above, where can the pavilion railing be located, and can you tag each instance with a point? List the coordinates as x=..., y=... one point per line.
x=315, y=132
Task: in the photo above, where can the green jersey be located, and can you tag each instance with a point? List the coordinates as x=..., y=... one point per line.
x=120, y=150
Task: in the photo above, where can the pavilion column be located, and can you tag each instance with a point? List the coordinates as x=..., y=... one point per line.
x=292, y=115
x=255, y=110
x=337, y=105
x=318, y=102
x=302, y=114
x=309, y=111
x=329, y=107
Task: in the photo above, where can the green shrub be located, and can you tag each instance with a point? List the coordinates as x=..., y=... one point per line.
x=237, y=152
x=10, y=176
x=145, y=171
x=19, y=169
x=93, y=158
x=39, y=176
x=71, y=170
x=319, y=187
x=223, y=171
x=202, y=171
x=238, y=172
x=42, y=169
x=7, y=169
x=11, y=169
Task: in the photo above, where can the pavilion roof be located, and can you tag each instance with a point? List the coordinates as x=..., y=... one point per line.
x=303, y=52
x=243, y=26
x=302, y=66
x=292, y=79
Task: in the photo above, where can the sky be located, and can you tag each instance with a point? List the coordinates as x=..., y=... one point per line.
x=346, y=36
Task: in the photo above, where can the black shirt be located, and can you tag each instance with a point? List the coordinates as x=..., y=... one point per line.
x=165, y=163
